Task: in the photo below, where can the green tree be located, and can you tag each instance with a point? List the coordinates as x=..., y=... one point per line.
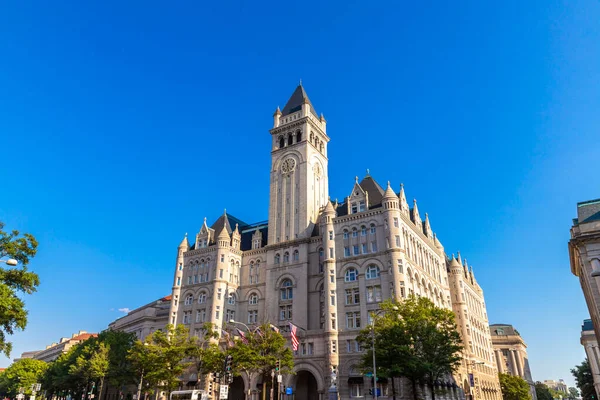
x=161, y=357
x=414, y=339
x=92, y=364
x=584, y=380
x=259, y=353
x=22, y=374
x=573, y=393
x=209, y=357
x=121, y=372
x=514, y=387
x=543, y=392
x=14, y=281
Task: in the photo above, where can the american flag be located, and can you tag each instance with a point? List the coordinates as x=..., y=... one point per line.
x=294, y=338
x=242, y=335
x=274, y=328
x=227, y=337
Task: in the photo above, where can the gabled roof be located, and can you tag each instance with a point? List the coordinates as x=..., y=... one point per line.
x=369, y=185
x=228, y=221
x=295, y=102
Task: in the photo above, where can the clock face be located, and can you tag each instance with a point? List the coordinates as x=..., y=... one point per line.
x=288, y=165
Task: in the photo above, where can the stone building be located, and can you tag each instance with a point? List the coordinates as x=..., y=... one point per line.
x=584, y=255
x=511, y=353
x=559, y=385
x=325, y=266
x=590, y=344
x=53, y=351
x=144, y=320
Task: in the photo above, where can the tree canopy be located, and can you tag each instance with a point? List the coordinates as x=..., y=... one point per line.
x=543, y=392
x=21, y=374
x=514, y=387
x=15, y=281
x=414, y=339
x=584, y=380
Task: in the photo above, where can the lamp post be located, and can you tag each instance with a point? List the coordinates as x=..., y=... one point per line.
x=11, y=261
x=472, y=364
x=374, y=314
x=139, y=389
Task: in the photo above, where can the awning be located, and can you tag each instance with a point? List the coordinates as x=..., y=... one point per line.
x=356, y=380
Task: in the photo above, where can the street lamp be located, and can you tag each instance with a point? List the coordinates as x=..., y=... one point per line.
x=11, y=261
x=375, y=313
x=239, y=323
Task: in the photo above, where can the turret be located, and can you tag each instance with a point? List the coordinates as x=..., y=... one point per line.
x=427, y=227
x=236, y=238
x=416, y=217
x=276, y=117
x=403, y=203
x=390, y=200
x=305, y=107
x=178, y=279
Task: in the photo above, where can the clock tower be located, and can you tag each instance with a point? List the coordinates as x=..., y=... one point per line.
x=299, y=186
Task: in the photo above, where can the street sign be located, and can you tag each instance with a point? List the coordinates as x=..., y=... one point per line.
x=288, y=390
x=471, y=380
x=224, y=392
x=279, y=378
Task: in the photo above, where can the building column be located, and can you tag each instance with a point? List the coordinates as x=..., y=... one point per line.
x=515, y=371
x=519, y=365
x=499, y=361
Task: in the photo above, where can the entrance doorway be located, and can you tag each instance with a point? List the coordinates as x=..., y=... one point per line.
x=306, y=386
x=236, y=389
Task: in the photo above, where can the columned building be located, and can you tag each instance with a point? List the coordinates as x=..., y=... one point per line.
x=325, y=266
x=590, y=344
x=584, y=254
x=511, y=353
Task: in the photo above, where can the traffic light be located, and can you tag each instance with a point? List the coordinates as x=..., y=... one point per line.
x=216, y=377
x=228, y=363
x=277, y=365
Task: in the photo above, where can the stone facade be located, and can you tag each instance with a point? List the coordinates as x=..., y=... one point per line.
x=53, y=351
x=325, y=266
x=511, y=353
x=590, y=344
x=144, y=320
x=584, y=254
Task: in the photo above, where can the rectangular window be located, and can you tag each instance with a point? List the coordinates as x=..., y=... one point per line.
x=310, y=348
x=373, y=294
x=396, y=222
x=365, y=249
x=374, y=247
x=346, y=251
x=373, y=229
x=229, y=315
x=353, y=296
x=361, y=206
x=334, y=346
x=187, y=317
x=178, y=281
x=403, y=292
x=330, y=235
x=354, y=208
x=357, y=346
x=303, y=349
x=195, y=278
x=363, y=231
x=400, y=267
x=345, y=234
x=355, y=249
x=222, y=257
x=397, y=241
x=349, y=346
x=332, y=299
x=219, y=294
x=333, y=321
x=221, y=273
x=331, y=255
x=201, y=315
x=285, y=312
x=189, y=280
x=354, y=233
x=230, y=277
x=353, y=320
x=331, y=279
x=356, y=390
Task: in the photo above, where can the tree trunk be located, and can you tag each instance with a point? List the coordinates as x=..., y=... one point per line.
x=432, y=385
x=393, y=389
x=414, y=389
x=101, y=388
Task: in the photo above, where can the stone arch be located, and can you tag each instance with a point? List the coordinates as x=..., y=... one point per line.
x=309, y=367
x=255, y=291
x=318, y=284
x=292, y=153
x=283, y=277
x=369, y=261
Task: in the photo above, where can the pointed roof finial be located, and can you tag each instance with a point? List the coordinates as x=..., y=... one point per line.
x=459, y=259
x=388, y=184
x=300, y=81
x=356, y=179
x=368, y=172
x=224, y=211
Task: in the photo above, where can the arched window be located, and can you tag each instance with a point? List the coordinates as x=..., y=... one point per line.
x=373, y=272
x=363, y=231
x=189, y=299
x=287, y=292
x=290, y=139
x=277, y=258
x=296, y=255
x=253, y=299
x=321, y=147
x=298, y=137
x=281, y=142
x=351, y=275
x=346, y=234
x=286, y=257
x=202, y=298
x=354, y=232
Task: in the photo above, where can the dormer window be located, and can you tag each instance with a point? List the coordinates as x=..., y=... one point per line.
x=354, y=208
x=361, y=206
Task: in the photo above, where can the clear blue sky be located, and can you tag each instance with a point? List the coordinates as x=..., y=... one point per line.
x=124, y=124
